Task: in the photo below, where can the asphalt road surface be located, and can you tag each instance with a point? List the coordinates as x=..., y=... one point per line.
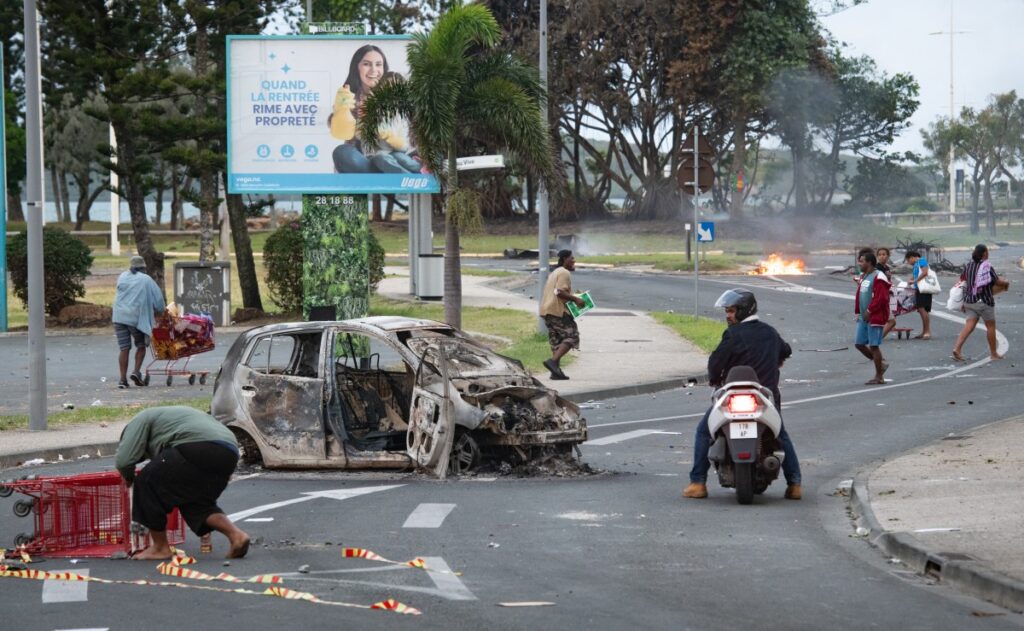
x=614, y=550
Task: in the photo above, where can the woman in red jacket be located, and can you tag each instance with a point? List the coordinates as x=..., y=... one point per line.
x=872, y=308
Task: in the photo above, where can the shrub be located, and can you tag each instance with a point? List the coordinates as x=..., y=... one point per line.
x=282, y=254
x=283, y=258
x=67, y=263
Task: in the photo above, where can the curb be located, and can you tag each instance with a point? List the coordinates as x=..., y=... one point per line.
x=99, y=450
x=971, y=577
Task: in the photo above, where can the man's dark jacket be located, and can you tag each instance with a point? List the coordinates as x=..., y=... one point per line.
x=750, y=343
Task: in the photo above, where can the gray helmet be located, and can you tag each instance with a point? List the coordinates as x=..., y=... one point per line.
x=742, y=299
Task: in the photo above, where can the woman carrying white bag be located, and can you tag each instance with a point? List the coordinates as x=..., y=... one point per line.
x=978, y=285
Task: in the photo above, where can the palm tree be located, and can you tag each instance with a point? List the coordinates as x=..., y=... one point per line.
x=461, y=87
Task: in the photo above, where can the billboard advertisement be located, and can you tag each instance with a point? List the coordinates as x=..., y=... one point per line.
x=293, y=105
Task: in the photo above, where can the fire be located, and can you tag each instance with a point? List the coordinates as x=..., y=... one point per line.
x=778, y=266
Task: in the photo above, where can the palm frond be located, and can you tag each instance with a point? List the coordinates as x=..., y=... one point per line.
x=435, y=84
x=388, y=100
x=505, y=111
x=507, y=66
x=462, y=26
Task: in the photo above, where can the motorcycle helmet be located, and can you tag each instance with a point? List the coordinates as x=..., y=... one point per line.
x=742, y=299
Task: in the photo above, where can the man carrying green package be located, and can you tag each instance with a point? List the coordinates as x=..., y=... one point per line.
x=563, y=334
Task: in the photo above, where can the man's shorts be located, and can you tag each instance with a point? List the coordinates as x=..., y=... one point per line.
x=868, y=335
x=923, y=301
x=562, y=330
x=980, y=311
x=126, y=333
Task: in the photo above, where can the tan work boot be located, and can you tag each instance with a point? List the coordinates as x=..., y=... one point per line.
x=696, y=490
x=793, y=492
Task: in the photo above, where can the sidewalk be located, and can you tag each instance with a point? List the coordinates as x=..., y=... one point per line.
x=622, y=353
x=953, y=509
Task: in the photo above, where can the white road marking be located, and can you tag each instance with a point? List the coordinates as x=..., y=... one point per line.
x=428, y=516
x=618, y=438
x=239, y=478
x=89, y=629
x=937, y=530
x=446, y=581
x=260, y=519
x=55, y=591
x=1002, y=346
x=337, y=494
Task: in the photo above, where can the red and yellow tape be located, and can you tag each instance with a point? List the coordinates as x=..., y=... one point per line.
x=363, y=553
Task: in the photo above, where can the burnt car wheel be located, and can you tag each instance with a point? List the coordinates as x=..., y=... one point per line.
x=465, y=454
x=249, y=451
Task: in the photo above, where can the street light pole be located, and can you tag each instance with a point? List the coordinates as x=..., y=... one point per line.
x=952, y=116
x=34, y=193
x=542, y=193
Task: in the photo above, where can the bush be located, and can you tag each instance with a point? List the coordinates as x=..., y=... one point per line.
x=67, y=263
x=283, y=258
x=282, y=254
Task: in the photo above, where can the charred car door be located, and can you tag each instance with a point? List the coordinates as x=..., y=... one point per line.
x=431, y=420
x=282, y=394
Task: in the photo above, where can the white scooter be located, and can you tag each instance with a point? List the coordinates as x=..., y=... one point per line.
x=744, y=426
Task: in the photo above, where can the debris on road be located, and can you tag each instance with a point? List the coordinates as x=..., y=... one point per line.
x=491, y=544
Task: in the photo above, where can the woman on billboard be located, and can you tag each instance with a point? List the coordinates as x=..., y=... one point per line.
x=390, y=152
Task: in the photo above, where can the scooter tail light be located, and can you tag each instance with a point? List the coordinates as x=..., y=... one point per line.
x=742, y=403
x=743, y=455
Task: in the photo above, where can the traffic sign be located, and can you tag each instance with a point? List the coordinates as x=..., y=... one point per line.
x=705, y=232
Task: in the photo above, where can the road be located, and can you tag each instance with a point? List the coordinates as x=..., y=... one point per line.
x=617, y=549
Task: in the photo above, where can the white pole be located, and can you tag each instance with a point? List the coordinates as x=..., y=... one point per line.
x=542, y=196
x=952, y=117
x=115, y=201
x=225, y=224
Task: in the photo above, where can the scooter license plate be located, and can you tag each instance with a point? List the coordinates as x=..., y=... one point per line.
x=742, y=430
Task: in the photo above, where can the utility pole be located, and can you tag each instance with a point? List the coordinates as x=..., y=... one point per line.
x=696, y=219
x=542, y=193
x=3, y=206
x=952, y=114
x=34, y=192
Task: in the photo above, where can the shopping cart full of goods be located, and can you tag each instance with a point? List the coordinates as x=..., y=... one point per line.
x=86, y=515
x=176, y=339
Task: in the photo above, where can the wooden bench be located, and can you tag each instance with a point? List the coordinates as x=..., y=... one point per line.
x=901, y=330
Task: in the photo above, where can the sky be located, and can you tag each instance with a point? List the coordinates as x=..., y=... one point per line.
x=988, y=57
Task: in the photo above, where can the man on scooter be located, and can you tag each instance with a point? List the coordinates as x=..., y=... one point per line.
x=746, y=342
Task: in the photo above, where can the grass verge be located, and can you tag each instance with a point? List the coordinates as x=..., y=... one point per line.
x=97, y=414
x=674, y=262
x=705, y=333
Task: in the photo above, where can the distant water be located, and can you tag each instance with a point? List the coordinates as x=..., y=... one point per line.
x=100, y=210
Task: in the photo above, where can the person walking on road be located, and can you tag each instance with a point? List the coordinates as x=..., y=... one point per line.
x=137, y=302
x=882, y=255
x=745, y=342
x=980, y=284
x=923, y=301
x=191, y=458
x=563, y=334
x=871, y=305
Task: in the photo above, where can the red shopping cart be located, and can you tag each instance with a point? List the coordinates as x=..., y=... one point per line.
x=175, y=341
x=85, y=515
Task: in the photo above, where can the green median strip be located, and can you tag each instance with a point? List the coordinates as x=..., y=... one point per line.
x=97, y=414
x=705, y=333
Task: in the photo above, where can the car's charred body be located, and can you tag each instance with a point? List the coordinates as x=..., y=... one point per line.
x=383, y=392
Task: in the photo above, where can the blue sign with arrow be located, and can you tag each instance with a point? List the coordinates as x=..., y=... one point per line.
x=705, y=232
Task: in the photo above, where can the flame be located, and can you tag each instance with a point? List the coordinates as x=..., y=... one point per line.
x=778, y=266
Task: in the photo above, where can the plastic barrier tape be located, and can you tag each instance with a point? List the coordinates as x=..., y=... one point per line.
x=363, y=553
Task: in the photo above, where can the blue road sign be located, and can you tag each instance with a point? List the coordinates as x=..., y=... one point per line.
x=705, y=232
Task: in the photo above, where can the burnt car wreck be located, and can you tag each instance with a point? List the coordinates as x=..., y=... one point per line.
x=385, y=392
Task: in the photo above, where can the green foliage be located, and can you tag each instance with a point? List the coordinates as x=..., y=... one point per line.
x=67, y=264
x=336, y=250
x=883, y=179
x=705, y=333
x=464, y=210
x=282, y=256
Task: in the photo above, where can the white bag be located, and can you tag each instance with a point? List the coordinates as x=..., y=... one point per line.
x=929, y=284
x=956, y=297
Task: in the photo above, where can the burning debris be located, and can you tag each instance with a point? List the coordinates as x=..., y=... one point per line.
x=778, y=266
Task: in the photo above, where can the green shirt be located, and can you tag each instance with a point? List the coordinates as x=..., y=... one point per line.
x=156, y=429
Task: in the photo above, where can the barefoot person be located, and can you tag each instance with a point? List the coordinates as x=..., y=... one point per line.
x=563, y=334
x=191, y=457
x=980, y=283
x=872, y=308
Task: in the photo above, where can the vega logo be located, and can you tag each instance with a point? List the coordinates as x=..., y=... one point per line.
x=414, y=182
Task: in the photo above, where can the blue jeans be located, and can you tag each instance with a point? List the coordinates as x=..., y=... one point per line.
x=702, y=444
x=348, y=159
x=394, y=162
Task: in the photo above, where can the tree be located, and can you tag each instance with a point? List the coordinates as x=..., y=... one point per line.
x=11, y=29
x=879, y=179
x=75, y=145
x=460, y=87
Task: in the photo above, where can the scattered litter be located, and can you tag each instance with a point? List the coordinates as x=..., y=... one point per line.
x=103, y=380
x=952, y=403
x=895, y=561
x=33, y=462
x=861, y=532
x=96, y=403
x=76, y=561
x=889, y=492
x=104, y=424
x=987, y=614
x=970, y=403
x=68, y=406
x=491, y=544
x=303, y=569
x=84, y=457
x=528, y=603
x=881, y=405
x=60, y=457
x=226, y=564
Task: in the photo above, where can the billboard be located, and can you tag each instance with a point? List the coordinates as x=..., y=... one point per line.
x=293, y=104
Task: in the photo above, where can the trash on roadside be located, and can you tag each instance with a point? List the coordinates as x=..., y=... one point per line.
x=862, y=531
x=303, y=569
x=491, y=544
x=33, y=462
x=895, y=561
x=96, y=403
x=68, y=406
x=103, y=380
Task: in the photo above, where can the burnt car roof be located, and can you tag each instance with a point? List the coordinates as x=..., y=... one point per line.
x=388, y=324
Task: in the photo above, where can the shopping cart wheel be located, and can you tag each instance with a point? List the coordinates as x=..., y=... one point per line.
x=5, y=491
x=23, y=508
x=23, y=539
x=202, y=379
x=145, y=380
x=169, y=380
x=191, y=380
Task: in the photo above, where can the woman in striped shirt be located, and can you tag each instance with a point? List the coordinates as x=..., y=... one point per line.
x=980, y=279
